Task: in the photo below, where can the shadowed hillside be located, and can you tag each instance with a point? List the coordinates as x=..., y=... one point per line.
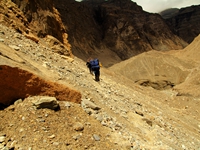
x=111, y=30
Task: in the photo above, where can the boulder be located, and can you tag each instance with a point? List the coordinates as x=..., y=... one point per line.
x=46, y=102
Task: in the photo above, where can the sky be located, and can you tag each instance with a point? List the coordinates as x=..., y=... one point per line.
x=156, y=6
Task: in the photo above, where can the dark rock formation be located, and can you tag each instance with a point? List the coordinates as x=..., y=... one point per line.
x=84, y=32
x=120, y=26
x=186, y=23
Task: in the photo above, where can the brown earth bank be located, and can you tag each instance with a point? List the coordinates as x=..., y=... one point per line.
x=16, y=83
x=19, y=78
x=114, y=113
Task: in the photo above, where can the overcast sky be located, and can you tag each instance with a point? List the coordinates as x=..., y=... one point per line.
x=159, y=5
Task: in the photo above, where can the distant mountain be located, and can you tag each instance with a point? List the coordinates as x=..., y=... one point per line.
x=168, y=13
x=185, y=23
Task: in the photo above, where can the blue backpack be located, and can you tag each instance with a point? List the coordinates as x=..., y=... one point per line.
x=94, y=63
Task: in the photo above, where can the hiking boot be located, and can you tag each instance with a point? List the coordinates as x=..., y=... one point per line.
x=96, y=78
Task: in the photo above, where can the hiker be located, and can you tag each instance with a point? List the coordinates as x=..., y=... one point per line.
x=89, y=65
x=95, y=68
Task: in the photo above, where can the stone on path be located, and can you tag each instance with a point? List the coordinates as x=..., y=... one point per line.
x=78, y=126
x=46, y=102
x=89, y=104
x=96, y=137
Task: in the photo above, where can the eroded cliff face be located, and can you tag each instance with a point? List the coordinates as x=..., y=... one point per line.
x=119, y=26
x=43, y=19
x=186, y=23
x=16, y=83
x=35, y=19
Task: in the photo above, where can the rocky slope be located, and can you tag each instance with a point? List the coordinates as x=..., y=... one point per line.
x=185, y=23
x=114, y=113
